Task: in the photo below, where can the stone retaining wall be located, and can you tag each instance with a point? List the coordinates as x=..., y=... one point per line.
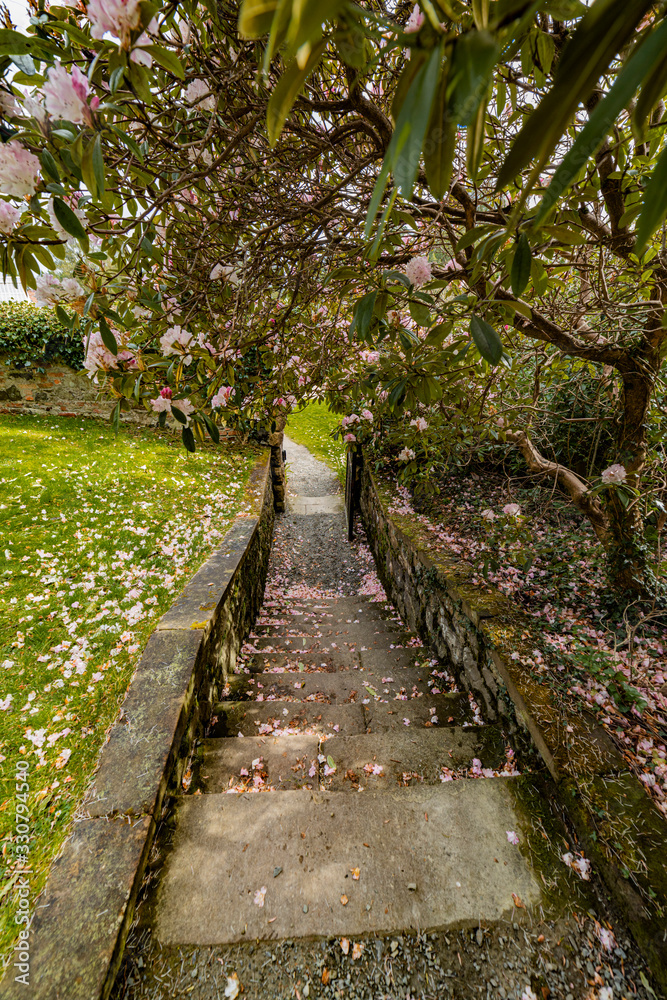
x=83, y=915
x=479, y=634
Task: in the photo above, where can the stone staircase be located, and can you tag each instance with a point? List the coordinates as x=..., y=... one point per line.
x=346, y=787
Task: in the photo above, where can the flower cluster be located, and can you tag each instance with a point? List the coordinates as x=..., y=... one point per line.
x=614, y=475
x=418, y=270
x=19, y=170
x=66, y=95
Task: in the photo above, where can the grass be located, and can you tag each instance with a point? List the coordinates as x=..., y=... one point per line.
x=312, y=428
x=99, y=534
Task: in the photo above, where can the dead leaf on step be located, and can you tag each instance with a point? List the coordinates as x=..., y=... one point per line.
x=357, y=949
x=344, y=900
x=356, y=873
x=325, y=975
x=344, y=945
x=517, y=902
x=232, y=988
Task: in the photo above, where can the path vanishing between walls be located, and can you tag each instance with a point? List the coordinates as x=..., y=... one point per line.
x=351, y=827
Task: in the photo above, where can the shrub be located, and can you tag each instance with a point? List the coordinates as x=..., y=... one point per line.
x=31, y=337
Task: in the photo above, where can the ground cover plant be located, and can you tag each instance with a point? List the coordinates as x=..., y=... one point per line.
x=542, y=554
x=314, y=426
x=99, y=534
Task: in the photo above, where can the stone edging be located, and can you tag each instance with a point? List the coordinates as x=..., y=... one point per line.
x=617, y=824
x=83, y=915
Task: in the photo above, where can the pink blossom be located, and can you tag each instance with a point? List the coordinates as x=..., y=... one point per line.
x=367, y=415
x=488, y=515
x=349, y=438
x=222, y=396
x=19, y=170
x=419, y=423
x=161, y=404
x=65, y=94
x=614, y=475
x=415, y=20
x=50, y=290
x=512, y=837
x=9, y=217
x=512, y=509
x=199, y=93
x=166, y=392
x=259, y=896
x=406, y=455
x=175, y=335
x=118, y=17
x=418, y=271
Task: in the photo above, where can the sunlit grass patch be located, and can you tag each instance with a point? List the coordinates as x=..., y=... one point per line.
x=99, y=534
x=312, y=428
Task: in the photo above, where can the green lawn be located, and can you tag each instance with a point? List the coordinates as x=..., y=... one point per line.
x=99, y=534
x=312, y=427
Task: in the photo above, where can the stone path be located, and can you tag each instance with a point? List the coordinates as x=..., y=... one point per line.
x=349, y=813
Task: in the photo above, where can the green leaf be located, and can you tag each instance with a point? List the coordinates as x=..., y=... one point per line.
x=486, y=340
x=255, y=17
x=654, y=208
x=114, y=417
x=178, y=415
x=473, y=62
x=603, y=31
x=49, y=166
x=25, y=64
x=167, y=59
x=440, y=143
x=98, y=166
x=331, y=762
x=287, y=90
x=69, y=221
x=108, y=338
x=420, y=313
x=437, y=334
x=305, y=23
x=131, y=143
x=212, y=429
x=363, y=314
x=188, y=438
x=521, y=262
x=602, y=120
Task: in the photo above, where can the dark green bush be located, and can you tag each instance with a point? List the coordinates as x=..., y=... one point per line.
x=31, y=337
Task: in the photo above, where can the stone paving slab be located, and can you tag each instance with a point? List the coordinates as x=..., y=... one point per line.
x=421, y=752
x=246, y=717
x=316, y=505
x=427, y=857
x=310, y=662
x=340, y=686
x=285, y=762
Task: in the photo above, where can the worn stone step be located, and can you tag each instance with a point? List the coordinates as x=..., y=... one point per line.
x=448, y=709
x=410, y=756
x=426, y=858
x=307, y=662
x=269, y=763
x=326, y=643
x=339, y=687
x=251, y=718
x=357, y=631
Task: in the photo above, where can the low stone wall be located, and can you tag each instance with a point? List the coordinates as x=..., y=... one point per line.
x=61, y=391
x=477, y=633
x=85, y=911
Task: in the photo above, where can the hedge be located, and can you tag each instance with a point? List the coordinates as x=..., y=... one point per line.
x=32, y=337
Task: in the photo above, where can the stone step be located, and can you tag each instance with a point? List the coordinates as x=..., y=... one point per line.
x=307, y=662
x=251, y=718
x=339, y=687
x=331, y=864
x=359, y=633
x=269, y=762
x=279, y=762
x=325, y=644
x=407, y=757
x=452, y=709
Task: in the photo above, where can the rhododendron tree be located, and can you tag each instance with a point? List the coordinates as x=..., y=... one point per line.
x=398, y=209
